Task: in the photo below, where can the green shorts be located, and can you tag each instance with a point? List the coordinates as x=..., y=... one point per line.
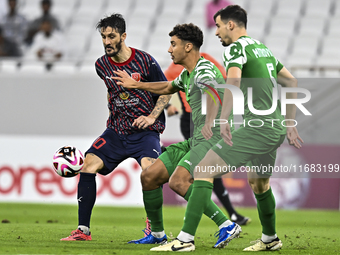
x=251, y=147
x=185, y=155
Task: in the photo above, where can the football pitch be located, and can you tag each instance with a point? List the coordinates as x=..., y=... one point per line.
x=37, y=228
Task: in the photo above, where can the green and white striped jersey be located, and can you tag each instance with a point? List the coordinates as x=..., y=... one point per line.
x=194, y=85
x=259, y=72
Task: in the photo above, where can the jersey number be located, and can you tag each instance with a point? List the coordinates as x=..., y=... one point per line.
x=99, y=143
x=270, y=68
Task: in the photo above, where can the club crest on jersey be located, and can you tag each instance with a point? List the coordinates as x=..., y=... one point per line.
x=136, y=76
x=124, y=95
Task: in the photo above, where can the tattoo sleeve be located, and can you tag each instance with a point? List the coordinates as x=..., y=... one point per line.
x=160, y=105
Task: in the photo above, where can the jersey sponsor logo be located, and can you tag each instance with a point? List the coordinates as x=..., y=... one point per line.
x=136, y=76
x=130, y=102
x=124, y=95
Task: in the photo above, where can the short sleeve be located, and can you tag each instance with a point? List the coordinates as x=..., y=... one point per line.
x=178, y=82
x=99, y=70
x=234, y=55
x=206, y=76
x=156, y=73
x=279, y=65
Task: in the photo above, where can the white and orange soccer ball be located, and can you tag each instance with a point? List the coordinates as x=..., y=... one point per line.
x=68, y=161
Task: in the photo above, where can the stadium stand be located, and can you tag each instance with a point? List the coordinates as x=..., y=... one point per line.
x=302, y=33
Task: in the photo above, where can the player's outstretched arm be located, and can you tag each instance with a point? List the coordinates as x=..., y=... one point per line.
x=161, y=88
x=286, y=79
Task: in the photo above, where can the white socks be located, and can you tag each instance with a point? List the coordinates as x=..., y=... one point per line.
x=225, y=224
x=158, y=234
x=185, y=237
x=86, y=230
x=268, y=239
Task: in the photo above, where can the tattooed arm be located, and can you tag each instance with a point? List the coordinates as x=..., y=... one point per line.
x=145, y=121
x=160, y=105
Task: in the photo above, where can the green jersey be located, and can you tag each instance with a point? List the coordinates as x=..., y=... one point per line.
x=259, y=72
x=194, y=84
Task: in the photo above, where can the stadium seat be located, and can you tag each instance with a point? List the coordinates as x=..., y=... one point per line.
x=315, y=8
x=64, y=67
x=148, y=7
x=32, y=67
x=328, y=59
x=312, y=26
x=139, y=24
x=158, y=48
x=8, y=65
x=63, y=10
x=307, y=45
x=30, y=8
x=289, y=8
x=257, y=26
x=213, y=46
x=278, y=46
x=282, y=26
x=334, y=27
x=243, y=3
x=260, y=7
x=330, y=45
x=121, y=7
x=176, y=7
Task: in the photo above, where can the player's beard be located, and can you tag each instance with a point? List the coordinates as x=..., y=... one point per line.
x=115, y=52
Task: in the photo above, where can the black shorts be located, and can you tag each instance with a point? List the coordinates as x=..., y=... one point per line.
x=113, y=148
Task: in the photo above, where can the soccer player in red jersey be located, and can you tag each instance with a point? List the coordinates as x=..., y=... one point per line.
x=136, y=118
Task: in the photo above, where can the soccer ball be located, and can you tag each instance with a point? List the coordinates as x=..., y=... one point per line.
x=68, y=161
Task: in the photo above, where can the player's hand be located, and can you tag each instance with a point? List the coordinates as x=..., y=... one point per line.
x=143, y=122
x=293, y=137
x=226, y=133
x=172, y=110
x=206, y=131
x=124, y=79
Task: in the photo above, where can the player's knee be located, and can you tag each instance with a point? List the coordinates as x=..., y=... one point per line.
x=178, y=185
x=151, y=179
x=259, y=185
x=92, y=164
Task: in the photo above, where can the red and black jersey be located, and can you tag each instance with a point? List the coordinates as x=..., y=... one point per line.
x=126, y=105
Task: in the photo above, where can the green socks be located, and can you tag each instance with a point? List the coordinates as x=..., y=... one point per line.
x=212, y=211
x=153, y=204
x=266, y=209
x=199, y=201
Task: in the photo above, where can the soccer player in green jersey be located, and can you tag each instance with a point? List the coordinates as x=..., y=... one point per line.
x=176, y=164
x=249, y=64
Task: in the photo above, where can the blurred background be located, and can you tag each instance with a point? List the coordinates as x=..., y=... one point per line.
x=50, y=94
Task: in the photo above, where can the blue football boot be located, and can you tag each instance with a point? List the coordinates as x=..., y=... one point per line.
x=150, y=239
x=226, y=234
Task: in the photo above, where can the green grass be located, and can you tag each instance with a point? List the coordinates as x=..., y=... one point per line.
x=37, y=228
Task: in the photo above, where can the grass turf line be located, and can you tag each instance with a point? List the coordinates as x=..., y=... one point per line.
x=37, y=228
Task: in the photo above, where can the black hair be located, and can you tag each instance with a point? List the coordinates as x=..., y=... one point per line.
x=190, y=33
x=115, y=21
x=233, y=12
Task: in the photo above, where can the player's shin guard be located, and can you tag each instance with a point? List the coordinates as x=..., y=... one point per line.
x=153, y=204
x=87, y=191
x=212, y=211
x=266, y=210
x=198, y=202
